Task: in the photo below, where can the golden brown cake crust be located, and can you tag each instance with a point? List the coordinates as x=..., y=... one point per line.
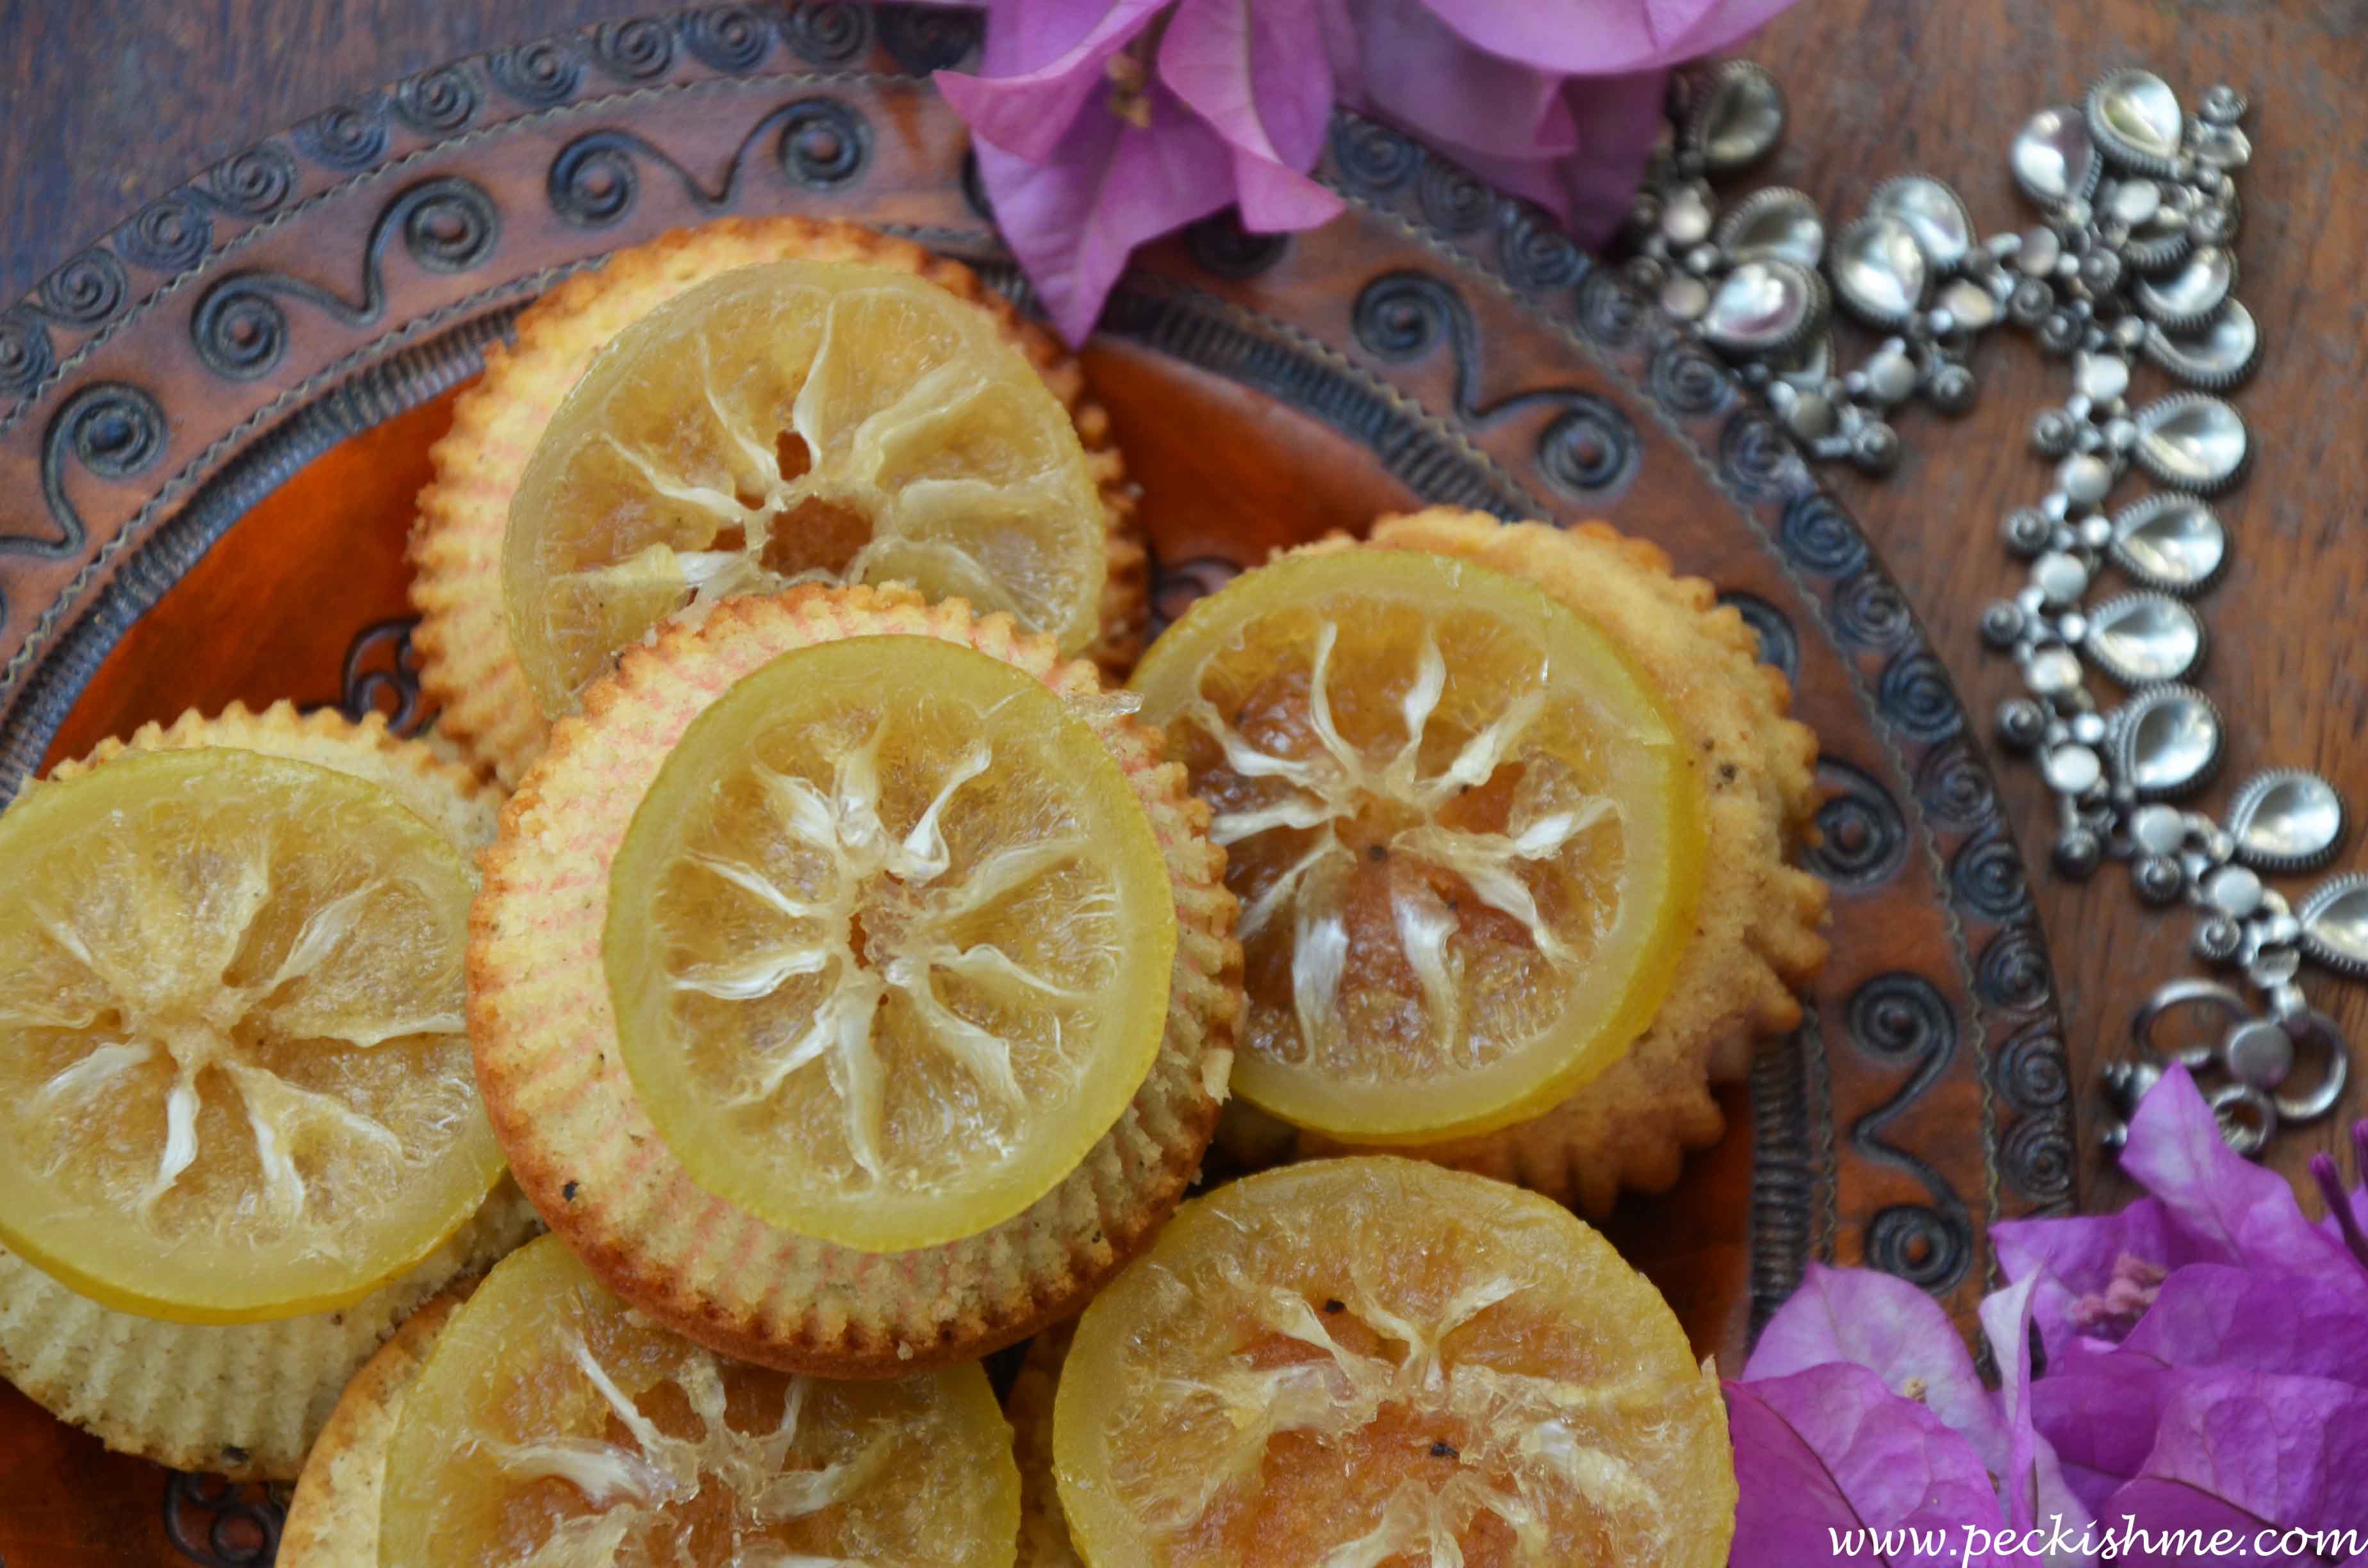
x=1043, y=1528
x=469, y=667
x=333, y=1521
x=584, y=1149
x=244, y=1400
x=1758, y=930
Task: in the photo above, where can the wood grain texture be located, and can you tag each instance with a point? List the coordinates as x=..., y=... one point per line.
x=1878, y=88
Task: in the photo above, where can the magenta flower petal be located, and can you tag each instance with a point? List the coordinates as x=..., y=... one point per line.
x=1831, y=1448
x=1412, y=67
x=1588, y=37
x=1071, y=221
x=2210, y=1315
x=2005, y=1322
x=2221, y=1199
x=2075, y=1259
x=2100, y=1415
x=1259, y=77
x=1895, y=1330
x=2285, y=1450
x=1027, y=108
x=1618, y=119
x=2159, y=1514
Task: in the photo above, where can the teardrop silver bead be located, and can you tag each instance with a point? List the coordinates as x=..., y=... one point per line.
x=2166, y=742
x=1879, y=271
x=2191, y=441
x=2141, y=639
x=2285, y=819
x=2170, y=541
x=2053, y=159
x=2135, y=119
x=2219, y=357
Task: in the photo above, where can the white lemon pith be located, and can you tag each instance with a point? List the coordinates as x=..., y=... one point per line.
x=798, y=422
x=890, y=940
x=232, y=1036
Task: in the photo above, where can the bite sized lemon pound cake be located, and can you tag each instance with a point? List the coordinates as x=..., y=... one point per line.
x=241, y=1140
x=333, y=1518
x=1376, y=1360
x=853, y=986
x=737, y=407
x=1509, y=862
x=553, y=1424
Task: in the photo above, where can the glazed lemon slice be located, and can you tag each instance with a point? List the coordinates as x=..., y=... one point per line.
x=554, y=1427
x=889, y=940
x=234, y=1076
x=798, y=422
x=1465, y=838
x=1374, y=1361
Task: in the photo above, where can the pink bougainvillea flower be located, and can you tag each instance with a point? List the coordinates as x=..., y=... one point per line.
x=1099, y=124
x=2198, y=1362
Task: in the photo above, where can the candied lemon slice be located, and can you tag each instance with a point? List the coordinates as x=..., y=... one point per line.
x=235, y=1076
x=889, y=940
x=554, y=1427
x=1375, y=1360
x=798, y=422
x=1466, y=840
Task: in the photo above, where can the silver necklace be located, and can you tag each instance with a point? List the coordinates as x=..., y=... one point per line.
x=2131, y=258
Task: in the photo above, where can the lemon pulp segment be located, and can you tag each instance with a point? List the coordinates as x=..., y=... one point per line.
x=890, y=941
x=553, y=1427
x=1378, y=1361
x=235, y=1073
x=1466, y=839
x=798, y=422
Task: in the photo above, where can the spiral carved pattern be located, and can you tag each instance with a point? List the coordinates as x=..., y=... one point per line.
x=538, y=75
x=2039, y=1160
x=827, y=33
x=1816, y=536
x=636, y=51
x=1372, y=159
x=1688, y=382
x=1533, y=251
x=1453, y=201
x=1916, y=695
x=1755, y=456
x=252, y=183
x=2013, y=972
x=730, y=38
x=240, y=332
x=1986, y=876
x=381, y=676
x=1589, y=447
x=347, y=137
x=1780, y=645
x=1954, y=788
x=84, y=291
x=25, y=354
x=1402, y=315
x=167, y=235
x=2031, y=1072
x=1611, y=311
x=823, y=142
x=1920, y=1245
x=452, y=224
x=1869, y=611
x=1900, y=1016
x=436, y=101
x=592, y=183
x=1863, y=836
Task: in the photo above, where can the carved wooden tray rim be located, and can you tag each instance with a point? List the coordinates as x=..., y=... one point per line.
x=290, y=366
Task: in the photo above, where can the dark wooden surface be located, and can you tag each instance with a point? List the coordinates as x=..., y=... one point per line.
x=110, y=102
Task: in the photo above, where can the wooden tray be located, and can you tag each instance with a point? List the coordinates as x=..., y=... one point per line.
x=215, y=420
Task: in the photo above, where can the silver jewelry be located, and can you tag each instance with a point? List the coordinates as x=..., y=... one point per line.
x=2133, y=256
